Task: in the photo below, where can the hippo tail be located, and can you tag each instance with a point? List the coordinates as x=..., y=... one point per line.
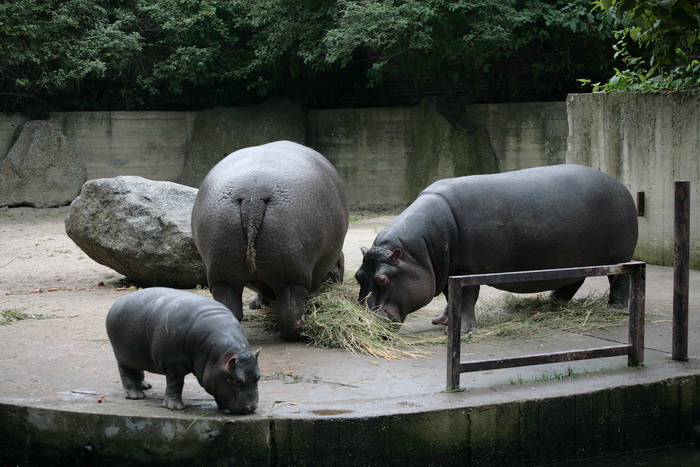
x=252, y=214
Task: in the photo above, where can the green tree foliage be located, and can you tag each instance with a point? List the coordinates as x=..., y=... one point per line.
x=122, y=54
x=657, y=43
x=475, y=46
x=52, y=45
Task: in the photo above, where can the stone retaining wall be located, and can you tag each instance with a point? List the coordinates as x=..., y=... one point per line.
x=472, y=429
x=647, y=141
x=385, y=156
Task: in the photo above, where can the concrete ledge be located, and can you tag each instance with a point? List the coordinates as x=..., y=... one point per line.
x=594, y=415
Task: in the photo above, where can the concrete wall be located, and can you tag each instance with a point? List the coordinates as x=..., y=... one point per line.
x=220, y=131
x=148, y=144
x=647, y=141
x=385, y=156
x=369, y=148
x=523, y=135
x=8, y=125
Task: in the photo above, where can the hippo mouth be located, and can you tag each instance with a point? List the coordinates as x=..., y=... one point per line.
x=239, y=409
x=391, y=312
x=245, y=410
x=291, y=330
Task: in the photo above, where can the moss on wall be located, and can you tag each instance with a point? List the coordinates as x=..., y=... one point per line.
x=446, y=147
x=220, y=131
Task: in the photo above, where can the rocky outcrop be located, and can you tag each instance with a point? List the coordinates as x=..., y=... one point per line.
x=220, y=131
x=140, y=228
x=40, y=170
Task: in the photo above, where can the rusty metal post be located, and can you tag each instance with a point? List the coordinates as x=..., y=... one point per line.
x=681, y=270
x=636, y=311
x=454, y=334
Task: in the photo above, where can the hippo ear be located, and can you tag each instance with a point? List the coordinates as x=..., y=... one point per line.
x=231, y=362
x=363, y=250
x=256, y=353
x=395, y=256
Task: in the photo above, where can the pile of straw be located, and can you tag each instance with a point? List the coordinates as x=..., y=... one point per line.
x=335, y=319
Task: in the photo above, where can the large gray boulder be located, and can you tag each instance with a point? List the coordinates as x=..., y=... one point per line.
x=40, y=170
x=218, y=132
x=140, y=228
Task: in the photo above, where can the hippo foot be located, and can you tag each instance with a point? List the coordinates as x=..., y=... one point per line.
x=173, y=403
x=135, y=394
x=440, y=319
x=617, y=305
x=466, y=328
x=463, y=331
x=143, y=385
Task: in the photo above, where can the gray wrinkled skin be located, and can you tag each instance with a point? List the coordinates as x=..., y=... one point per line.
x=541, y=218
x=272, y=218
x=174, y=333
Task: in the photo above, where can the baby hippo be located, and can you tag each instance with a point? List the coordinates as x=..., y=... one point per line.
x=174, y=333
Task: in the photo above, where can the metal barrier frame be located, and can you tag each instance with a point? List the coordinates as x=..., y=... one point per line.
x=634, y=349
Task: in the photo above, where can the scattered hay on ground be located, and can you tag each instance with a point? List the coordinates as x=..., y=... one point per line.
x=513, y=315
x=334, y=319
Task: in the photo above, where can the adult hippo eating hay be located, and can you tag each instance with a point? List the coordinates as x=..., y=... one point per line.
x=540, y=218
x=272, y=218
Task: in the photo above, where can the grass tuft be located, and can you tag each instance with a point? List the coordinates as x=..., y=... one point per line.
x=10, y=316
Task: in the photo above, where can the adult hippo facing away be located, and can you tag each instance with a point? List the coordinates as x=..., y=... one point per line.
x=273, y=218
x=540, y=218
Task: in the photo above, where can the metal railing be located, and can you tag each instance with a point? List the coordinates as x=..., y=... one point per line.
x=634, y=349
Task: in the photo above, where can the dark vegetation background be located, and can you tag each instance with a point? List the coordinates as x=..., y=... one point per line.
x=193, y=54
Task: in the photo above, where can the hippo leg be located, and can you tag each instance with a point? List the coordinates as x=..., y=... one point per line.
x=231, y=297
x=442, y=317
x=335, y=275
x=289, y=305
x=133, y=383
x=619, y=291
x=469, y=297
x=566, y=293
x=258, y=302
x=174, y=380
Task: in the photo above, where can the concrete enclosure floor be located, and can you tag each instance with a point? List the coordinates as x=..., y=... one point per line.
x=61, y=359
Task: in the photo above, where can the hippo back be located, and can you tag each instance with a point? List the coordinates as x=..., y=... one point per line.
x=298, y=223
x=540, y=218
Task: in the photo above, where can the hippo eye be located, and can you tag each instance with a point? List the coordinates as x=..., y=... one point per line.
x=382, y=281
x=234, y=381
